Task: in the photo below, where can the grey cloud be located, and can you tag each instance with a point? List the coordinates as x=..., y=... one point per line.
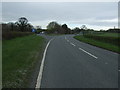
x=77, y=12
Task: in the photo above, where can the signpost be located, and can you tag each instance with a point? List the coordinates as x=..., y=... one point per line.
x=33, y=30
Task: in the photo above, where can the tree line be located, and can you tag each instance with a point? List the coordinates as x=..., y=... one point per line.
x=18, y=29
x=22, y=25
x=54, y=27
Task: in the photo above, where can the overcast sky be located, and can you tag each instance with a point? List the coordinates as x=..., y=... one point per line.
x=99, y=15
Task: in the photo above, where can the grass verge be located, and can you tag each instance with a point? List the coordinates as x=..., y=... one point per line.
x=20, y=55
x=104, y=45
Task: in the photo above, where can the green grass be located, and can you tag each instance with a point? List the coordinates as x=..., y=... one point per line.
x=19, y=57
x=104, y=45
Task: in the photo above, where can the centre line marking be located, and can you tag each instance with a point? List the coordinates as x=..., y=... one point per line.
x=88, y=53
x=72, y=44
x=38, y=84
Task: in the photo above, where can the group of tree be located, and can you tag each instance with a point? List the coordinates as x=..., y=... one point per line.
x=21, y=25
x=115, y=30
x=54, y=27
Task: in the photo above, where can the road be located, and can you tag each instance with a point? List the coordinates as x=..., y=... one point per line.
x=70, y=63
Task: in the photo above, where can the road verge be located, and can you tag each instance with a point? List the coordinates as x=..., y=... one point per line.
x=20, y=56
x=97, y=43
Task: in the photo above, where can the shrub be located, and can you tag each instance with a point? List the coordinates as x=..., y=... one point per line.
x=112, y=40
x=11, y=35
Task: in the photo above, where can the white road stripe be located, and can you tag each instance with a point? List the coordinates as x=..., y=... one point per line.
x=72, y=44
x=88, y=53
x=38, y=84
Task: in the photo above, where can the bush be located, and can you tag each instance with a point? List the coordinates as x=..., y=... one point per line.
x=11, y=35
x=112, y=40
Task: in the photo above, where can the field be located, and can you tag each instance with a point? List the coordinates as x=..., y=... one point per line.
x=109, y=41
x=20, y=56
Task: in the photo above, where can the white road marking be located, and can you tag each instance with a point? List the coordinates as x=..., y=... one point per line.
x=38, y=84
x=73, y=44
x=88, y=53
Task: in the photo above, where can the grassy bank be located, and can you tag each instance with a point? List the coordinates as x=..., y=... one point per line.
x=98, y=43
x=20, y=55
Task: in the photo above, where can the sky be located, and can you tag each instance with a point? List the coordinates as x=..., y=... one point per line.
x=95, y=15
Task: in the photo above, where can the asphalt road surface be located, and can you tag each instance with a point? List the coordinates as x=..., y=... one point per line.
x=70, y=63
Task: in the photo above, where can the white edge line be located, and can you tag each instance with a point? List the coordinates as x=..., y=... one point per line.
x=88, y=53
x=38, y=84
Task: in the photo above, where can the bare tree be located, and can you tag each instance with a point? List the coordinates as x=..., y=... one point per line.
x=22, y=23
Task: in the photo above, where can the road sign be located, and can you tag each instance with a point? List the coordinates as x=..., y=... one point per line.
x=33, y=30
